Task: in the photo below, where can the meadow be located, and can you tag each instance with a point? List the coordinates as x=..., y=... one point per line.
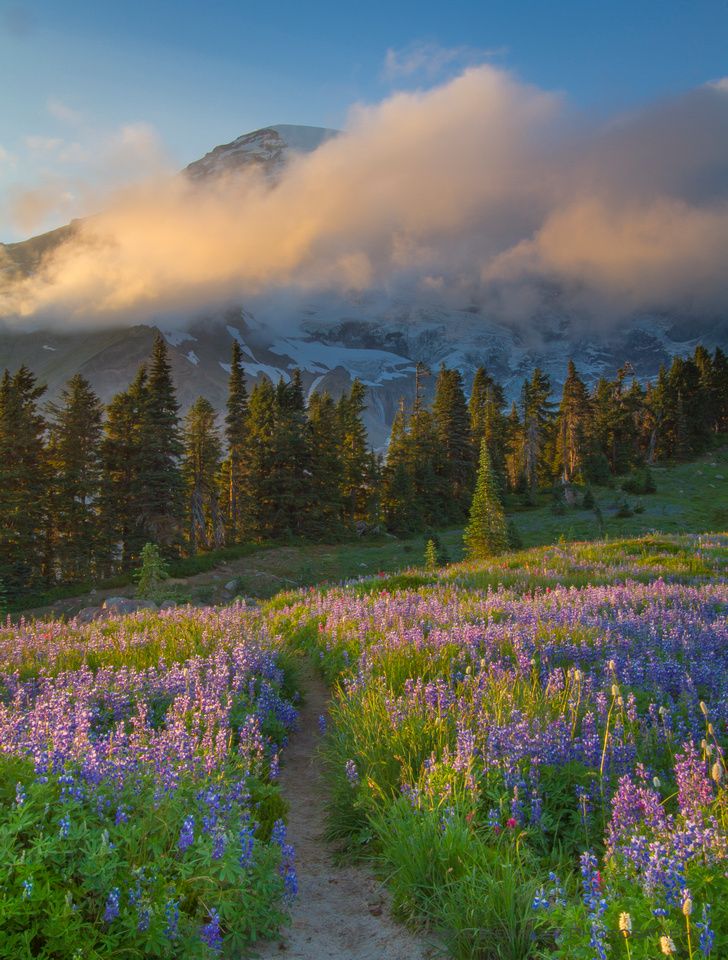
x=530, y=751
x=138, y=759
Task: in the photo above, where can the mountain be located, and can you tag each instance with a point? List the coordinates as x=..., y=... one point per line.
x=331, y=337
x=269, y=148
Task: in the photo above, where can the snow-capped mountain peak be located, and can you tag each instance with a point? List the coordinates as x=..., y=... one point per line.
x=269, y=148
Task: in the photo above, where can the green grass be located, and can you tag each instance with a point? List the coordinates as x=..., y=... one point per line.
x=690, y=498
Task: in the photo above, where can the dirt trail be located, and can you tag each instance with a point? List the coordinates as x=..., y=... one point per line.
x=341, y=912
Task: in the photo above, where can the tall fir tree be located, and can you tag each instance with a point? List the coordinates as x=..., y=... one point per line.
x=720, y=381
x=200, y=470
x=514, y=451
x=572, y=429
x=538, y=429
x=486, y=534
x=331, y=496
x=122, y=534
x=259, y=486
x=487, y=419
x=293, y=436
x=453, y=454
x=236, y=437
x=477, y=404
x=356, y=458
x=74, y=453
x=160, y=451
x=400, y=508
x=24, y=553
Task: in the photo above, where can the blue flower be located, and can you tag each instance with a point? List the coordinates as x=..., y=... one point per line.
x=171, y=912
x=210, y=933
x=707, y=934
x=187, y=833
x=112, y=906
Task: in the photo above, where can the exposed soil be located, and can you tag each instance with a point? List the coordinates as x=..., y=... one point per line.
x=341, y=913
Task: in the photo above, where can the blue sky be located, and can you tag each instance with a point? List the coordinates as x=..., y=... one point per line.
x=179, y=77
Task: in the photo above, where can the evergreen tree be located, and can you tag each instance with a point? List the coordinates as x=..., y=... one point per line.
x=720, y=385
x=454, y=460
x=431, y=555
x=122, y=533
x=487, y=419
x=573, y=419
x=331, y=495
x=296, y=511
x=236, y=436
x=538, y=422
x=356, y=458
x=75, y=466
x=260, y=472
x=200, y=466
x=514, y=451
x=421, y=454
x=401, y=511
x=476, y=405
x=152, y=573
x=616, y=420
x=23, y=483
x=160, y=450
x=486, y=534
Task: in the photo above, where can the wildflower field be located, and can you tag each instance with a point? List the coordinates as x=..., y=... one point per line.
x=529, y=750
x=538, y=768
x=140, y=815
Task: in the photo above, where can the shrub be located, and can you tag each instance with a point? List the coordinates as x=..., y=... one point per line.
x=640, y=481
x=152, y=573
x=431, y=556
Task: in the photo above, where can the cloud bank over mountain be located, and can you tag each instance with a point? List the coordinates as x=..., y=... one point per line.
x=484, y=191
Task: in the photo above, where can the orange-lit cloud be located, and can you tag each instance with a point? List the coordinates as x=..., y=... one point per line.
x=484, y=186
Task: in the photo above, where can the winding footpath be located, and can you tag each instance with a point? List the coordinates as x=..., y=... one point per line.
x=341, y=913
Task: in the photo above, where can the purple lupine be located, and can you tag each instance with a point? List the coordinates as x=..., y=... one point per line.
x=187, y=833
x=210, y=932
x=171, y=913
x=694, y=786
x=112, y=906
x=247, y=846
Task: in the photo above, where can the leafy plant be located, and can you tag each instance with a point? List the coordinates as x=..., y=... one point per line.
x=152, y=573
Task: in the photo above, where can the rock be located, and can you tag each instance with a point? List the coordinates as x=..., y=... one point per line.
x=168, y=605
x=124, y=605
x=89, y=614
x=112, y=601
x=231, y=586
x=146, y=605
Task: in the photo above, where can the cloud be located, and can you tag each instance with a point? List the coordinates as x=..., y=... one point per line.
x=482, y=190
x=6, y=157
x=40, y=144
x=430, y=60
x=61, y=111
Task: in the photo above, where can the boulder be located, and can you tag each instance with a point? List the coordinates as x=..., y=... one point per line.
x=168, y=605
x=112, y=602
x=146, y=605
x=231, y=586
x=124, y=605
x=89, y=614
